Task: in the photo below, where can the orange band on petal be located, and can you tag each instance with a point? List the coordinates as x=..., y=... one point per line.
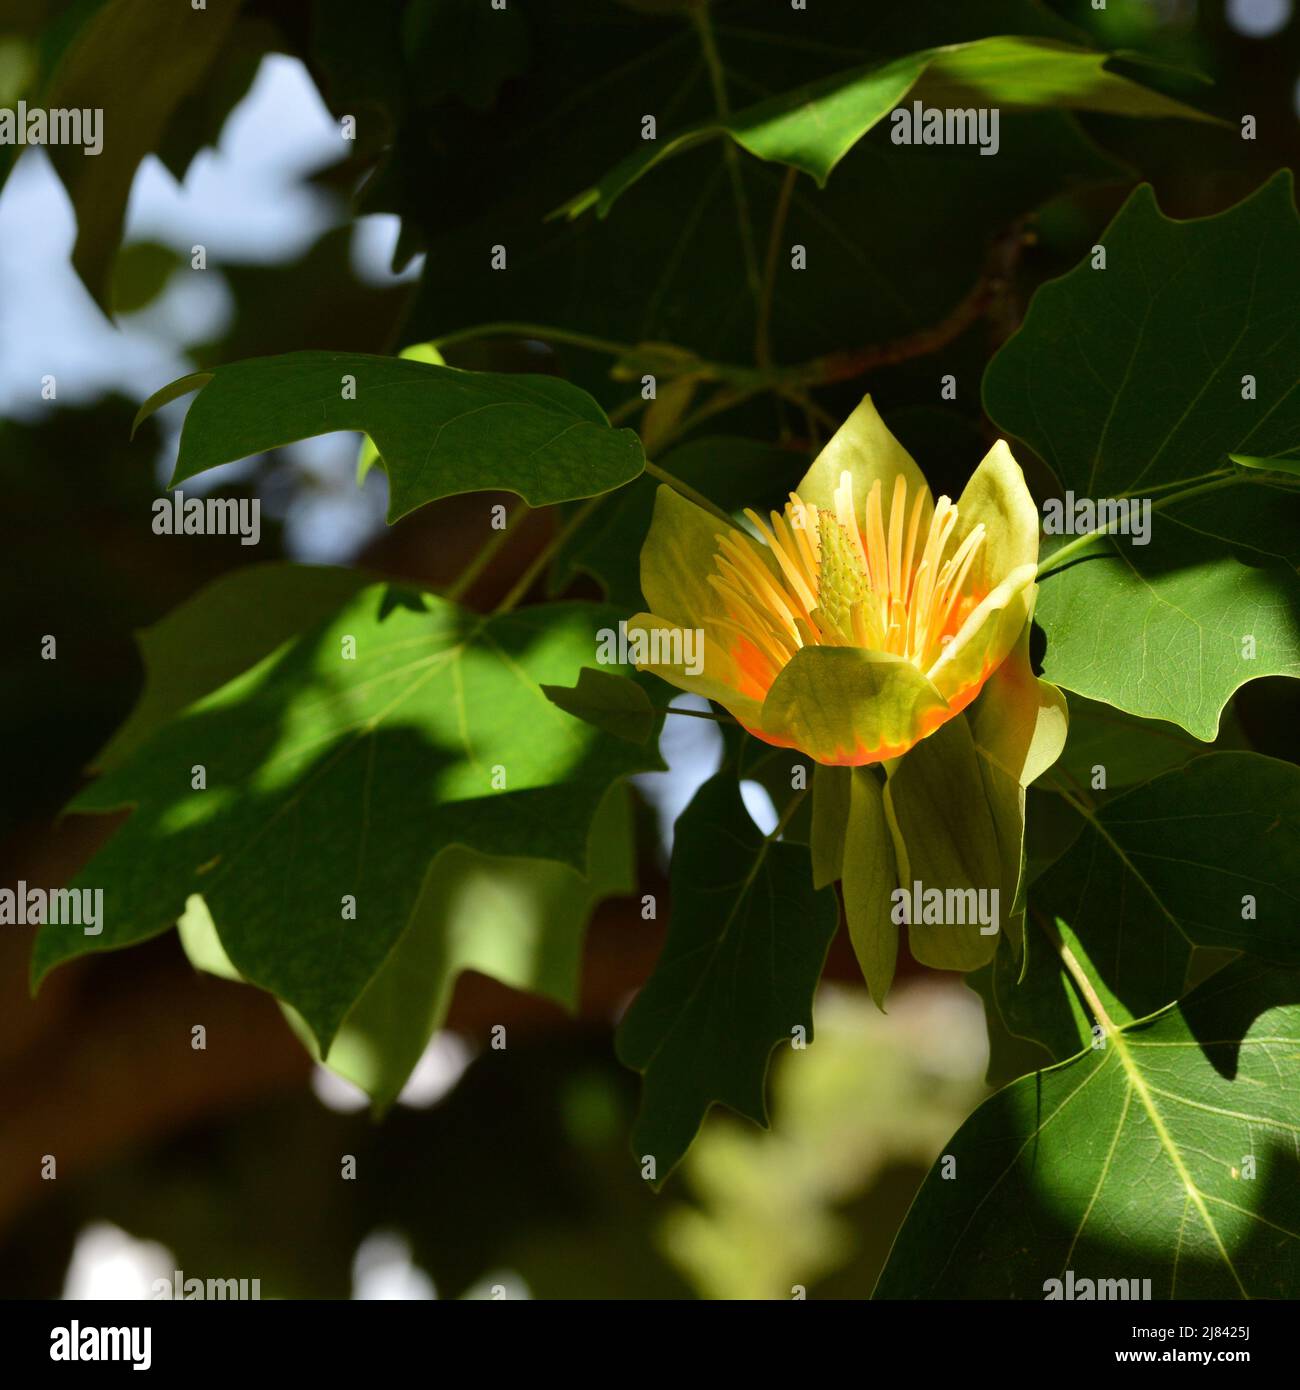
x=861, y=755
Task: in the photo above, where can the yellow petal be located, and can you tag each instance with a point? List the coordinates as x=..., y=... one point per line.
x=864, y=448
x=1020, y=720
x=984, y=639
x=997, y=497
x=677, y=560
x=846, y=706
x=1019, y=724
x=719, y=678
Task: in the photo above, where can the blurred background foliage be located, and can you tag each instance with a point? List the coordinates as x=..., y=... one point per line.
x=504, y=1167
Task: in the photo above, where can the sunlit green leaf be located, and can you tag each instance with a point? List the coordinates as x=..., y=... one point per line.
x=1166, y=1155
x=1273, y=465
x=517, y=920
x=1139, y=381
x=1106, y=742
x=813, y=127
x=609, y=701
x=333, y=772
x=223, y=630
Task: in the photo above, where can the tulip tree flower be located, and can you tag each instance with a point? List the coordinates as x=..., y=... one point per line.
x=856, y=628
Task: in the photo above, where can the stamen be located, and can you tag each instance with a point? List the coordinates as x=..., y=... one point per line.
x=807, y=577
x=758, y=631
x=801, y=591
x=877, y=550
x=913, y=526
x=747, y=563
x=845, y=516
x=958, y=568
x=945, y=518
x=912, y=644
x=896, y=510
x=839, y=581
x=805, y=533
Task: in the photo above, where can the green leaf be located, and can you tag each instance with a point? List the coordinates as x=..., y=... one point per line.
x=228, y=626
x=1036, y=999
x=945, y=838
x=1179, y=861
x=439, y=431
x=812, y=127
x=1128, y=1162
x=418, y=352
x=832, y=796
x=331, y=778
x=135, y=61
x=518, y=920
x=869, y=278
x=608, y=701
x=1128, y=749
x=1106, y=381
x=1052, y=825
x=1275, y=465
x=744, y=951
x=1010, y=1055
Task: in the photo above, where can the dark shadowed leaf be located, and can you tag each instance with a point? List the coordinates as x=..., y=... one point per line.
x=745, y=948
x=1205, y=855
x=521, y=921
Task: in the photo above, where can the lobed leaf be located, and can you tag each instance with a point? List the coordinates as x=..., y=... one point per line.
x=813, y=127
x=1169, y=1154
x=1130, y=381
x=330, y=779
x=438, y=431
x=745, y=949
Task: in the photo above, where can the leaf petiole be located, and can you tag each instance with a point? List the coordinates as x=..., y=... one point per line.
x=1051, y=563
x=545, y=555
x=688, y=492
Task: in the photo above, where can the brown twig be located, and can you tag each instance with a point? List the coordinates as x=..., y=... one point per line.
x=994, y=278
